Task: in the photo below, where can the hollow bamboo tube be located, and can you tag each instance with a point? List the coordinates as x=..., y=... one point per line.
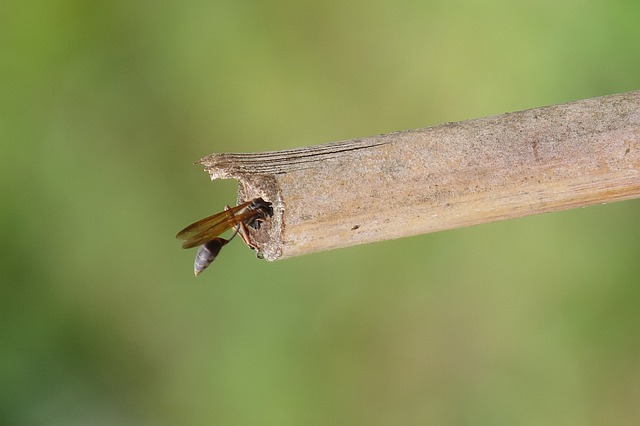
x=452, y=175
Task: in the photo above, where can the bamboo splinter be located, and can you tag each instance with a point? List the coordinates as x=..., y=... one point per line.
x=452, y=175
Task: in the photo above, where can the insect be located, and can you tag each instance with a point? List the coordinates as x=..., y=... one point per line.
x=205, y=232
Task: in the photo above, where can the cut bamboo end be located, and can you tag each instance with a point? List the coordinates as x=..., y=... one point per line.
x=452, y=175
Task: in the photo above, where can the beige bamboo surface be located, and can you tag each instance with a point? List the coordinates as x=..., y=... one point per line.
x=452, y=175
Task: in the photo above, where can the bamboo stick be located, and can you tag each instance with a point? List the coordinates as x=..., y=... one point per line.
x=452, y=175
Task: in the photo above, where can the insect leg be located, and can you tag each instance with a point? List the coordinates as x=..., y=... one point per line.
x=244, y=234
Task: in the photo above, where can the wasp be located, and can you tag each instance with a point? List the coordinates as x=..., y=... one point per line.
x=205, y=232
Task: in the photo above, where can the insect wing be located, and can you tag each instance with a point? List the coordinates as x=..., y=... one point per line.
x=205, y=234
x=207, y=229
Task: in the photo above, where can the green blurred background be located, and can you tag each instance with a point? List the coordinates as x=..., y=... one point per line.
x=105, y=105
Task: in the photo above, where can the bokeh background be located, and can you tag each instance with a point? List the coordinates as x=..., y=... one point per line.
x=105, y=105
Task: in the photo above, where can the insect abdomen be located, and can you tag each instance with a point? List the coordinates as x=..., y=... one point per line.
x=207, y=254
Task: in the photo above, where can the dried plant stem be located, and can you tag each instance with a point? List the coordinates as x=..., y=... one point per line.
x=447, y=176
